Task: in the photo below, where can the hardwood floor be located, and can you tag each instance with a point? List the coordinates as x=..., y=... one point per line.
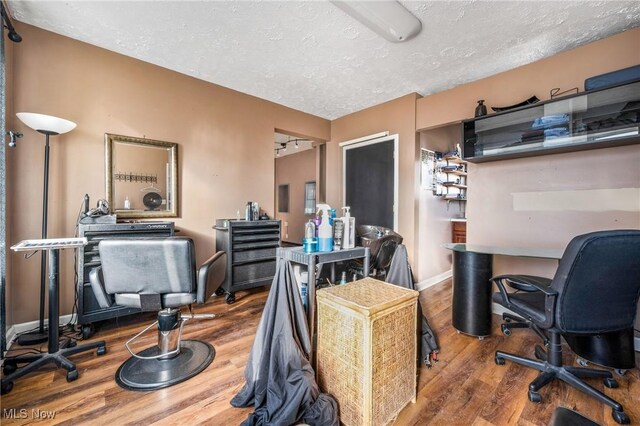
x=464, y=388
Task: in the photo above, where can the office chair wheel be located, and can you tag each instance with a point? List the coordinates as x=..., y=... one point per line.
x=499, y=360
x=101, y=350
x=505, y=329
x=72, y=375
x=535, y=397
x=620, y=417
x=87, y=331
x=583, y=362
x=230, y=298
x=9, y=368
x=6, y=387
x=610, y=383
x=72, y=343
x=619, y=371
x=219, y=291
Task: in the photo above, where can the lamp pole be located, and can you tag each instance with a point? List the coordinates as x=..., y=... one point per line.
x=48, y=126
x=41, y=335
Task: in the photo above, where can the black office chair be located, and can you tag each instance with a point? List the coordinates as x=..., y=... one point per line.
x=158, y=274
x=595, y=290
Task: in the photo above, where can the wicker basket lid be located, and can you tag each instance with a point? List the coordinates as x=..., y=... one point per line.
x=367, y=295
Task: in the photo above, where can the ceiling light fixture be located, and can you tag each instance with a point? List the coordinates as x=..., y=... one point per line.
x=297, y=144
x=389, y=19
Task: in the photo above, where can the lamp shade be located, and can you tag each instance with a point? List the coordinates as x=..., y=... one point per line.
x=46, y=123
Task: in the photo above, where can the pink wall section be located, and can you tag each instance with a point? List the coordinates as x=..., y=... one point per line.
x=397, y=117
x=226, y=151
x=225, y=146
x=295, y=170
x=493, y=219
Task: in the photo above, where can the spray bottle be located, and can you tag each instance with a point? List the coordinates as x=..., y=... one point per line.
x=325, y=231
x=349, y=232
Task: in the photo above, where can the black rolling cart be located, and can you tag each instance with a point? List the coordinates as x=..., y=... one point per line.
x=57, y=350
x=251, y=253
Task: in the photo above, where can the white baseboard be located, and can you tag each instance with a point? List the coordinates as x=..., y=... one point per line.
x=17, y=329
x=437, y=279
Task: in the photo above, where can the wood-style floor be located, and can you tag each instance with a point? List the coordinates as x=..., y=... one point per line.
x=464, y=388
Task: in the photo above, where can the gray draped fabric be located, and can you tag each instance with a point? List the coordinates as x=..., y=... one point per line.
x=400, y=275
x=280, y=382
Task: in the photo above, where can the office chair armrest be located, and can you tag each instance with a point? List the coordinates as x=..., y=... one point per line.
x=211, y=275
x=528, y=283
x=95, y=278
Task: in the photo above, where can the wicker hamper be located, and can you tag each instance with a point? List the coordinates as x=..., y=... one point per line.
x=366, y=352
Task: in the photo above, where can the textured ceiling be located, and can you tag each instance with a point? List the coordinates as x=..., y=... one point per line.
x=313, y=57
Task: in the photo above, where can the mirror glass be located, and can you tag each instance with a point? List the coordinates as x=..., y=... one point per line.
x=141, y=177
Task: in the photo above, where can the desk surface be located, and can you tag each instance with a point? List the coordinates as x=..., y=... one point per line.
x=506, y=251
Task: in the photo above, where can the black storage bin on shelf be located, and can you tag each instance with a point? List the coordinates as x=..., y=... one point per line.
x=251, y=253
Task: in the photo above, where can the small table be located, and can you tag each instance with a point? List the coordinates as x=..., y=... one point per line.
x=298, y=255
x=56, y=351
x=472, y=272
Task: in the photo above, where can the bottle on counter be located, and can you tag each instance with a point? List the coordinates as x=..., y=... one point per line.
x=349, y=229
x=338, y=234
x=325, y=231
x=304, y=284
x=310, y=241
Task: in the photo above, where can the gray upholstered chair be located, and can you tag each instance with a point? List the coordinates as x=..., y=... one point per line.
x=595, y=291
x=158, y=274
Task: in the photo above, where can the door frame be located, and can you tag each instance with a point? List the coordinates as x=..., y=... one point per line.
x=370, y=140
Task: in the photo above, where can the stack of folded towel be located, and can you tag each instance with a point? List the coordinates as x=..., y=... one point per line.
x=552, y=126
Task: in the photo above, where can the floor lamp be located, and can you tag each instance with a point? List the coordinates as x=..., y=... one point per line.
x=48, y=126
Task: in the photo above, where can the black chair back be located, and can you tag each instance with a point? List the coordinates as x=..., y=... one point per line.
x=153, y=265
x=598, y=282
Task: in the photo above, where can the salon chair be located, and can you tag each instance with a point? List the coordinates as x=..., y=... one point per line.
x=595, y=290
x=158, y=274
x=382, y=243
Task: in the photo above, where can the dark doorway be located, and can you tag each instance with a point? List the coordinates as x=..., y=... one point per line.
x=370, y=182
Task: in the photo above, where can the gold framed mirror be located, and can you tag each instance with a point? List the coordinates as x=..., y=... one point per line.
x=141, y=177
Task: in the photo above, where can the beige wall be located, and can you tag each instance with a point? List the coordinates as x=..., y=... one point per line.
x=397, y=117
x=495, y=217
x=225, y=145
x=295, y=170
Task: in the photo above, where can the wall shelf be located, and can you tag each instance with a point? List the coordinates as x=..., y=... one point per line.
x=450, y=179
x=595, y=119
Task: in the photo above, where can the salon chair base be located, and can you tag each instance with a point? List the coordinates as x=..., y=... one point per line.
x=149, y=374
x=58, y=357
